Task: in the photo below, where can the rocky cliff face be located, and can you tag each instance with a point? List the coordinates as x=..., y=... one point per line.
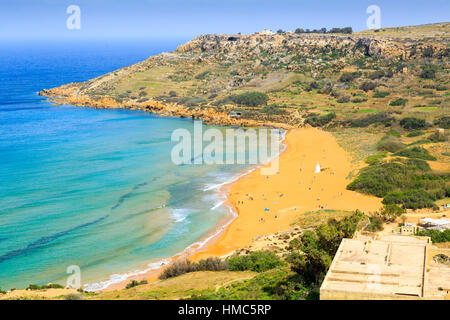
x=299, y=73
x=305, y=44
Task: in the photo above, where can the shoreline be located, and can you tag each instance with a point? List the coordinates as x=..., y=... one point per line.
x=151, y=274
x=285, y=197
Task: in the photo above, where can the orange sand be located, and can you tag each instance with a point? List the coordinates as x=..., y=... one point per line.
x=288, y=194
x=305, y=147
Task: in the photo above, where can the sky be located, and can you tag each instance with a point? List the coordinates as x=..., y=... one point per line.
x=46, y=19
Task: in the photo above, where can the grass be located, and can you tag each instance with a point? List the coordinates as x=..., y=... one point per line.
x=182, y=287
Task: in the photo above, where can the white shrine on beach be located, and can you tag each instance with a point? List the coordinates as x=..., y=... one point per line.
x=317, y=168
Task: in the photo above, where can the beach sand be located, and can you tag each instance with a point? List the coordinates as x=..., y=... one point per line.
x=294, y=190
x=287, y=195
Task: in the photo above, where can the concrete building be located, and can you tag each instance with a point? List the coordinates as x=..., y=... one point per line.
x=409, y=229
x=388, y=267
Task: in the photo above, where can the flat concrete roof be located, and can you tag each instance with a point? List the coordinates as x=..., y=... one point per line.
x=387, y=266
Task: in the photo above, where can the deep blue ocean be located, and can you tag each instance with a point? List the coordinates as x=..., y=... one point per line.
x=92, y=188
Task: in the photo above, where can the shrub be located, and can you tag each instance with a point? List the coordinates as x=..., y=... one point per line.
x=348, y=76
x=250, y=99
x=436, y=235
x=374, y=159
x=410, y=123
x=46, y=286
x=273, y=109
x=428, y=72
x=398, y=102
x=135, y=283
x=172, y=94
x=381, y=117
x=415, y=133
x=202, y=75
x=443, y=122
x=343, y=99
x=181, y=267
x=416, y=153
x=407, y=182
x=390, y=143
x=381, y=94
x=255, y=261
x=317, y=121
x=375, y=224
x=411, y=199
x=367, y=86
x=391, y=211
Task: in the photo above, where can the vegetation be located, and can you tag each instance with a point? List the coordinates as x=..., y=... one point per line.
x=406, y=182
x=398, y=102
x=46, y=286
x=436, y=235
x=309, y=257
x=377, y=118
x=135, y=283
x=181, y=267
x=416, y=153
x=255, y=261
x=443, y=122
x=411, y=123
x=250, y=99
x=316, y=120
x=390, y=143
x=381, y=94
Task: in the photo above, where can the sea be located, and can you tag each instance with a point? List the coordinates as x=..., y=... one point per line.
x=90, y=188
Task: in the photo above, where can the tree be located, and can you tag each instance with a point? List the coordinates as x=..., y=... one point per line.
x=390, y=212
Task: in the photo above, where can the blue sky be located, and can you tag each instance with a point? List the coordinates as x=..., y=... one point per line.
x=25, y=19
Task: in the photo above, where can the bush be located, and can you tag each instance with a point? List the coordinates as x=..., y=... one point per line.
x=411, y=199
x=416, y=153
x=343, y=99
x=381, y=94
x=273, y=109
x=181, y=267
x=436, y=235
x=250, y=99
x=381, y=117
x=398, y=102
x=443, y=122
x=46, y=286
x=135, y=283
x=391, y=211
x=367, y=86
x=415, y=133
x=407, y=182
x=202, y=75
x=348, y=76
x=428, y=72
x=255, y=261
x=315, y=120
x=375, y=158
x=390, y=143
x=410, y=123
x=375, y=224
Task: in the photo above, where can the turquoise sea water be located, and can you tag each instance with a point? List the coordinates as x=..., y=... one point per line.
x=86, y=187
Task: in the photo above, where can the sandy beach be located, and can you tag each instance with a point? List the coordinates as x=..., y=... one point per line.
x=268, y=204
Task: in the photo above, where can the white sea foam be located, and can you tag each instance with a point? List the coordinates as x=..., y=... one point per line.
x=120, y=277
x=180, y=215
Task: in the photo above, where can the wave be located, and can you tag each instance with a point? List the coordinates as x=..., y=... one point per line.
x=180, y=215
x=120, y=277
